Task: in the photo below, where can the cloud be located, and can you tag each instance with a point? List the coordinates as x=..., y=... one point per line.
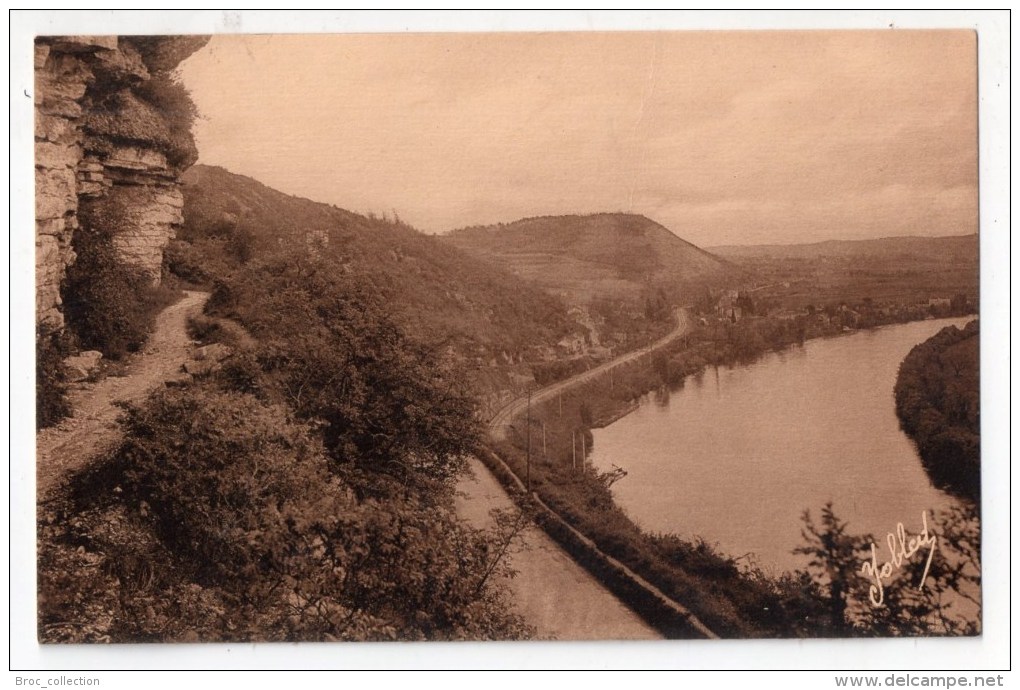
x=773, y=136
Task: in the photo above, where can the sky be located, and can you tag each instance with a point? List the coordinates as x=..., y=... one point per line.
x=724, y=137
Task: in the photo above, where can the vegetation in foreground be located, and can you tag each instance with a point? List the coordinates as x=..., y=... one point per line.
x=302, y=492
x=109, y=306
x=51, y=401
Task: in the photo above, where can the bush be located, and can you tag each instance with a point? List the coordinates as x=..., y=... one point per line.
x=187, y=262
x=51, y=403
x=105, y=577
x=109, y=305
x=226, y=478
x=210, y=329
x=173, y=101
x=171, y=98
x=242, y=245
x=331, y=354
x=243, y=493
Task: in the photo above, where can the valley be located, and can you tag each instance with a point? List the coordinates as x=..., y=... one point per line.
x=266, y=418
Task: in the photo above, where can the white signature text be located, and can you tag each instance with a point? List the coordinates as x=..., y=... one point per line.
x=900, y=549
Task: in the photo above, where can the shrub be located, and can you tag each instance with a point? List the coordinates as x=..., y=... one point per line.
x=104, y=576
x=242, y=244
x=331, y=354
x=185, y=261
x=210, y=329
x=171, y=98
x=226, y=478
x=242, y=373
x=109, y=305
x=51, y=402
x=241, y=491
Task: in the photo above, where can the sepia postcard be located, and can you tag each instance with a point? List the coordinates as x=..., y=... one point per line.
x=491, y=335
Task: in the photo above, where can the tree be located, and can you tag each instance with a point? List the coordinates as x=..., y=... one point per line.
x=834, y=561
x=941, y=596
x=241, y=245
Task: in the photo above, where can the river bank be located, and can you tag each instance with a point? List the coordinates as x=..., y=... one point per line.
x=710, y=345
x=734, y=600
x=791, y=432
x=938, y=404
x=706, y=583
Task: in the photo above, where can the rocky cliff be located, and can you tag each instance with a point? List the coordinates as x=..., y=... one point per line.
x=112, y=135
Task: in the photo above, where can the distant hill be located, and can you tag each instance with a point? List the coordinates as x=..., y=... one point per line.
x=954, y=249
x=892, y=269
x=438, y=293
x=580, y=257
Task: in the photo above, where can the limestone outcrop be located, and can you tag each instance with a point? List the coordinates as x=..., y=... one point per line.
x=112, y=136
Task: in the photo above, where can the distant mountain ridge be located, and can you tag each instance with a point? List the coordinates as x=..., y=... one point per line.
x=582, y=256
x=945, y=248
x=892, y=269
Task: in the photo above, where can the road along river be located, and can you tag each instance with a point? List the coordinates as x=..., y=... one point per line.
x=501, y=422
x=553, y=593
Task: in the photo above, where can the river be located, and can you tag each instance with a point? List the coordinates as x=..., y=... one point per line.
x=737, y=454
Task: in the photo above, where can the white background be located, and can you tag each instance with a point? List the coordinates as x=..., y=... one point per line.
x=991, y=650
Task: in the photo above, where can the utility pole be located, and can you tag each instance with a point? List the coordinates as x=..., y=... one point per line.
x=529, y=442
x=545, y=453
x=573, y=449
x=584, y=449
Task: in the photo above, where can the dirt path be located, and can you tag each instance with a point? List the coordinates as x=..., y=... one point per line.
x=553, y=593
x=66, y=447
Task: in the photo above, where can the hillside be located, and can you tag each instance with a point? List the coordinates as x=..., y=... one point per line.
x=581, y=257
x=437, y=293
